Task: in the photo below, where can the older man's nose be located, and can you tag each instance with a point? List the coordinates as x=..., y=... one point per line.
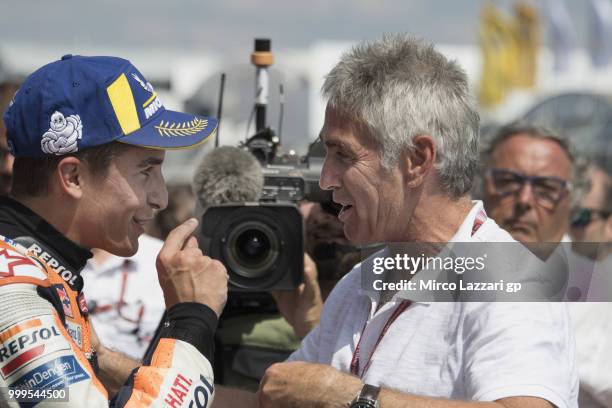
x=329, y=179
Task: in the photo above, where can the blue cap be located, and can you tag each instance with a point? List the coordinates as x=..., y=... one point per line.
x=81, y=102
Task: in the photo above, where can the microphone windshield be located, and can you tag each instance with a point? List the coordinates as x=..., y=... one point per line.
x=228, y=174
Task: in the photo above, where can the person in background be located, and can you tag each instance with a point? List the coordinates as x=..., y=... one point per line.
x=181, y=206
x=329, y=256
x=125, y=300
x=531, y=183
x=591, y=221
x=254, y=342
x=327, y=245
x=7, y=90
x=528, y=173
x=591, y=233
x=6, y=167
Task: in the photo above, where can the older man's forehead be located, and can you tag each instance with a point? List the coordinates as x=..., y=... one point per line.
x=343, y=131
x=535, y=156
x=332, y=131
x=337, y=137
x=331, y=135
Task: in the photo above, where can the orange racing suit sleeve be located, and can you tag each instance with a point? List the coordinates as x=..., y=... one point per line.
x=37, y=353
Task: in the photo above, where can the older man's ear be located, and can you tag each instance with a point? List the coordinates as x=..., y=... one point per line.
x=419, y=161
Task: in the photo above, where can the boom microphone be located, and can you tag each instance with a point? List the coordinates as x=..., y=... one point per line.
x=228, y=175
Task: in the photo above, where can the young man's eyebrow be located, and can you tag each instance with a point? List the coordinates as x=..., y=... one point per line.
x=151, y=161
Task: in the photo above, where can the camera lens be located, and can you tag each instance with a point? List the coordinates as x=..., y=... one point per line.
x=252, y=245
x=252, y=249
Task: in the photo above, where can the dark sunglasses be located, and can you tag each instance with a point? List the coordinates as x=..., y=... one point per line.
x=548, y=191
x=584, y=216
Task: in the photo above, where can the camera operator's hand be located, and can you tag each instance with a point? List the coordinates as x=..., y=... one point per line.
x=186, y=274
x=302, y=307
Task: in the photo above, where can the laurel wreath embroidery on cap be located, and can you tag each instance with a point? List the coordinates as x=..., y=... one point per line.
x=63, y=133
x=181, y=128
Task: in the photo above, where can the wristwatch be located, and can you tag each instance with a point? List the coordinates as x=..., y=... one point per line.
x=367, y=398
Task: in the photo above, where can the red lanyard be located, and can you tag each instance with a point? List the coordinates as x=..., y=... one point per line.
x=481, y=217
x=355, y=360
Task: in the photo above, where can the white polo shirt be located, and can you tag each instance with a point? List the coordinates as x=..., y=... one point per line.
x=465, y=351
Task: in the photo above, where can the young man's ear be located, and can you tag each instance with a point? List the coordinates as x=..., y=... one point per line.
x=420, y=160
x=69, y=175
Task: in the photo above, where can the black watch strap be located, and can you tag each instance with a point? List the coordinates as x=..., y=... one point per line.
x=368, y=397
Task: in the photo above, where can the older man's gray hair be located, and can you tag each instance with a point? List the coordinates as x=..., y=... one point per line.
x=399, y=88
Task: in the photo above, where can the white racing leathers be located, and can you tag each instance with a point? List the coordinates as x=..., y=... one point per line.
x=46, y=352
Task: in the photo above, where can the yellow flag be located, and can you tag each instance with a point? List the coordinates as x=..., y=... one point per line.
x=500, y=53
x=527, y=31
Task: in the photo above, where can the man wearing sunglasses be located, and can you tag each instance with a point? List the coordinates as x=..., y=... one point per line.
x=528, y=182
x=591, y=221
x=591, y=232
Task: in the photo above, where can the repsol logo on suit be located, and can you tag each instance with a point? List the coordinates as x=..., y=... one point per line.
x=201, y=394
x=67, y=275
x=25, y=341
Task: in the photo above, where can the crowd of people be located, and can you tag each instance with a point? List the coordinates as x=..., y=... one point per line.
x=134, y=315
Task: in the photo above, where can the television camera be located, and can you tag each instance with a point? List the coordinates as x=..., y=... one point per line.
x=261, y=242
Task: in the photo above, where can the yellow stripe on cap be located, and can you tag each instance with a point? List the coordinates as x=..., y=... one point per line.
x=148, y=101
x=122, y=99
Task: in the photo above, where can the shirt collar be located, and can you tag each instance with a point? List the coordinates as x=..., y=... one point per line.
x=465, y=233
x=17, y=220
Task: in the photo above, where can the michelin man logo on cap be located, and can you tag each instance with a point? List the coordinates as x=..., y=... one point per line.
x=63, y=133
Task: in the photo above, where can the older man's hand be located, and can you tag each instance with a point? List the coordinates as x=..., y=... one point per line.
x=298, y=384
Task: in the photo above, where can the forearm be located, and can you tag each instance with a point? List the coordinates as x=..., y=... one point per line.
x=395, y=399
x=299, y=384
x=234, y=398
x=115, y=368
x=345, y=390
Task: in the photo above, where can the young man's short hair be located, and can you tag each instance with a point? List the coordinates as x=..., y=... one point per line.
x=31, y=176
